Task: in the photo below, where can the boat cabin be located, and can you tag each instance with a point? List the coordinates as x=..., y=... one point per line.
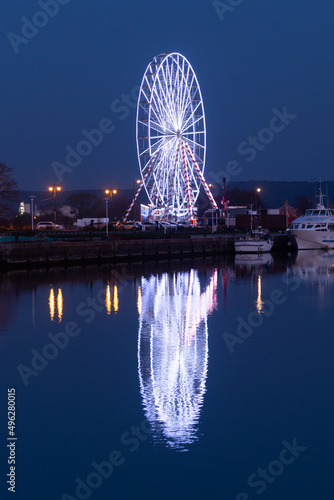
x=327, y=212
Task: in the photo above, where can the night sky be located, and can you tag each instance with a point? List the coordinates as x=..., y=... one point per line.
x=265, y=69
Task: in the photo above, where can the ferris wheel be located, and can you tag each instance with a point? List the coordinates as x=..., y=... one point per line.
x=171, y=137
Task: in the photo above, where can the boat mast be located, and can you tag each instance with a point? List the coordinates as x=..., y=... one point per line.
x=321, y=196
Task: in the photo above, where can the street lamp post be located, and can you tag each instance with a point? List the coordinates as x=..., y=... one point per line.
x=257, y=192
x=109, y=192
x=107, y=219
x=212, y=186
x=32, y=210
x=55, y=189
x=134, y=194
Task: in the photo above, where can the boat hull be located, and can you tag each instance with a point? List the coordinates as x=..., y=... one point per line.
x=313, y=240
x=253, y=246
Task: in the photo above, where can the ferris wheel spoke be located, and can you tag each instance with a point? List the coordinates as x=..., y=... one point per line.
x=177, y=88
x=148, y=82
x=161, y=136
x=161, y=148
x=157, y=119
x=162, y=108
x=171, y=89
x=191, y=117
x=161, y=129
x=173, y=92
x=194, y=132
x=197, y=144
x=156, y=104
x=161, y=102
x=156, y=127
x=143, y=98
x=183, y=87
x=185, y=98
x=158, y=178
x=165, y=91
x=186, y=110
x=144, y=153
x=148, y=148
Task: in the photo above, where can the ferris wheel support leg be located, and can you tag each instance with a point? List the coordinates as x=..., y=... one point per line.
x=139, y=189
x=201, y=176
x=156, y=192
x=133, y=202
x=189, y=199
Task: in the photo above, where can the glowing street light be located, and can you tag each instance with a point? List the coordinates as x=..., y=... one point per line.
x=110, y=192
x=54, y=188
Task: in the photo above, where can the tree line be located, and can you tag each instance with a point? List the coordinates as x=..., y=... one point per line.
x=88, y=204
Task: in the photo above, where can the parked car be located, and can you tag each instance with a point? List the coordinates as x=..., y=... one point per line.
x=149, y=225
x=124, y=226
x=167, y=226
x=49, y=226
x=185, y=224
x=129, y=225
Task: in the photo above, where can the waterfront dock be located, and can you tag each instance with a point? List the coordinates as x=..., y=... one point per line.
x=53, y=253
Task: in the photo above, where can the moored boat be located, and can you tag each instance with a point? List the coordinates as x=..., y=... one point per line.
x=315, y=229
x=254, y=242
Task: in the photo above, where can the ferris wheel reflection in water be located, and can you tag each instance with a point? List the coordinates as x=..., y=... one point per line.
x=173, y=353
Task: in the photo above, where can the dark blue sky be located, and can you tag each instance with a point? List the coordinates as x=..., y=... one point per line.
x=262, y=55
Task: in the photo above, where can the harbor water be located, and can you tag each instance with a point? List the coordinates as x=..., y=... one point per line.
x=202, y=379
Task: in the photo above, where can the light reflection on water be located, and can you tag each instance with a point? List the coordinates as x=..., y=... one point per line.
x=173, y=353
x=52, y=304
x=108, y=299
x=116, y=301
x=315, y=266
x=275, y=385
x=56, y=304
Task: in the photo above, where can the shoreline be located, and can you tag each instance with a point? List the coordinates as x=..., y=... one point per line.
x=66, y=253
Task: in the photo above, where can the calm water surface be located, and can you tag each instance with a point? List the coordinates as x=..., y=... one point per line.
x=205, y=380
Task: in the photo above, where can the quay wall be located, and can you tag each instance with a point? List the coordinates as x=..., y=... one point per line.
x=36, y=254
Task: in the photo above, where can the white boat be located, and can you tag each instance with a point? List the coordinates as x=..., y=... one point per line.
x=254, y=242
x=315, y=229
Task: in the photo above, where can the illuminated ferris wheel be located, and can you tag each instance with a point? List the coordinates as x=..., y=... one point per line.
x=171, y=136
